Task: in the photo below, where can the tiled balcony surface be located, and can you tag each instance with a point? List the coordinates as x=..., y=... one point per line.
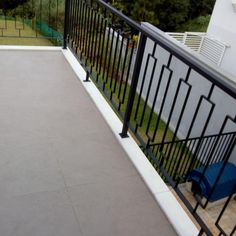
x=62, y=172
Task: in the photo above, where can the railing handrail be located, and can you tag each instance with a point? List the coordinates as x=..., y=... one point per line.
x=214, y=75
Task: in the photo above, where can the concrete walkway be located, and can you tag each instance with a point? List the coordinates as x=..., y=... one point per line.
x=62, y=172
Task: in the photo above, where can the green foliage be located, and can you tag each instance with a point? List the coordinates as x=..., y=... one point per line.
x=146, y=11
x=200, y=8
x=172, y=13
x=126, y=6
x=198, y=24
x=168, y=15
x=118, y=6
x=6, y=5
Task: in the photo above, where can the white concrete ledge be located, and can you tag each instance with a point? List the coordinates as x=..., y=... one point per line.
x=170, y=206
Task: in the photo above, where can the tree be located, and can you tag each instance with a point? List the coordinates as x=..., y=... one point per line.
x=200, y=8
x=145, y=10
x=6, y=5
x=166, y=14
x=172, y=13
x=125, y=6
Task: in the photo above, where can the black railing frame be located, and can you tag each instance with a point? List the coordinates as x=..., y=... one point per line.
x=212, y=74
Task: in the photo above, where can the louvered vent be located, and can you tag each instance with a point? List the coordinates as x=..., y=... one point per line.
x=210, y=48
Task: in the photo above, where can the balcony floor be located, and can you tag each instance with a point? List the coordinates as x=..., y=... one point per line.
x=62, y=171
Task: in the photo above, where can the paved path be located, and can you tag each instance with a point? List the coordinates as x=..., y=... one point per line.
x=62, y=172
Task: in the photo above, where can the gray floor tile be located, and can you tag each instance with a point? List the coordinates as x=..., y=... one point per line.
x=29, y=173
x=90, y=160
x=41, y=214
x=124, y=208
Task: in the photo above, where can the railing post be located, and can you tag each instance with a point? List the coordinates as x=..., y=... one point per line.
x=134, y=83
x=87, y=77
x=66, y=23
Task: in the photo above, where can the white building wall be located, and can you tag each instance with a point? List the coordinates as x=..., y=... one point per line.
x=223, y=27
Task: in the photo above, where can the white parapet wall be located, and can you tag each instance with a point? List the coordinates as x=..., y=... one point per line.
x=223, y=27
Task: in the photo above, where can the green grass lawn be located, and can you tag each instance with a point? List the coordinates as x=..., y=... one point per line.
x=13, y=36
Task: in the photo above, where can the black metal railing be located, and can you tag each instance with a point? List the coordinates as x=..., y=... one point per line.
x=28, y=20
x=169, y=100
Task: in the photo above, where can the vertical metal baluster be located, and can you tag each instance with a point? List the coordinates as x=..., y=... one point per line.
x=141, y=89
x=79, y=27
x=114, y=63
x=183, y=106
x=226, y=142
x=118, y=66
x=164, y=96
x=84, y=31
x=133, y=86
x=123, y=69
x=67, y=2
x=103, y=32
x=49, y=14
x=222, y=147
x=128, y=73
x=88, y=29
x=94, y=37
x=105, y=61
x=176, y=148
x=98, y=48
x=203, y=152
x=40, y=18
x=187, y=162
x=148, y=93
x=111, y=51
x=143, y=81
x=57, y=15
x=74, y=13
